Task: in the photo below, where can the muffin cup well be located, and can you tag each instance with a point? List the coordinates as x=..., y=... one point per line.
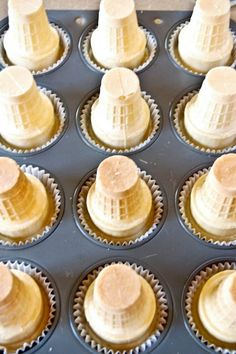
x=51, y=298
x=87, y=55
x=189, y=307
x=177, y=123
x=173, y=53
x=83, y=123
x=185, y=215
x=89, y=230
x=65, y=47
x=61, y=122
x=92, y=342
x=56, y=209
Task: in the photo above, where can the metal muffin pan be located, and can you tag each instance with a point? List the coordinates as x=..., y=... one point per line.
x=66, y=254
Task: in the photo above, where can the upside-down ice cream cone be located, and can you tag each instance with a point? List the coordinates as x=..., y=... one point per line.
x=120, y=202
x=23, y=201
x=27, y=114
x=217, y=306
x=213, y=198
x=120, y=305
x=118, y=40
x=206, y=42
x=30, y=41
x=120, y=117
x=210, y=116
x=21, y=307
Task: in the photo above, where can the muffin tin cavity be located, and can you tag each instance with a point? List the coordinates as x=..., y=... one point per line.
x=56, y=209
x=65, y=49
x=185, y=216
x=177, y=124
x=90, y=231
x=60, y=126
x=51, y=302
x=171, y=45
x=87, y=55
x=92, y=342
x=83, y=123
x=190, y=299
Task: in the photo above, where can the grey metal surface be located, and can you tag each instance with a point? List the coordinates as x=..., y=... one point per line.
x=66, y=253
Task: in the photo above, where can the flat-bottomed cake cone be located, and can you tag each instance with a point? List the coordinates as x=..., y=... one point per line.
x=118, y=40
x=23, y=201
x=210, y=116
x=27, y=114
x=120, y=305
x=30, y=41
x=120, y=202
x=217, y=306
x=120, y=117
x=21, y=307
x=206, y=42
x=213, y=198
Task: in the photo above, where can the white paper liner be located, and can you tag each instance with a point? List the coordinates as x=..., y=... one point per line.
x=51, y=187
x=178, y=120
x=41, y=279
x=172, y=46
x=183, y=208
x=80, y=321
x=151, y=48
x=85, y=121
x=158, y=207
x=199, y=280
x=60, y=115
x=65, y=43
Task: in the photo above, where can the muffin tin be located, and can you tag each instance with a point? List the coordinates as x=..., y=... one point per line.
x=66, y=254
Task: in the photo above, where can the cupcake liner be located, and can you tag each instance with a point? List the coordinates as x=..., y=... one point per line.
x=151, y=49
x=54, y=194
x=85, y=222
x=172, y=47
x=84, y=126
x=65, y=44
x=47, y=286
x=178, y=125
x=183, y=200
x=60, y=126
x=190, y=307
x=80, y=323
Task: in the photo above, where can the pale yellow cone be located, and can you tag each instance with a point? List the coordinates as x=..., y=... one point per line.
x=213, y=198
x=210, y=116
x=120, y=305
x=23, y=201
x=120, y=117
x=206, y=42
x=21, y=307
x=30, y=41
x=119, y=202
x=27, y=115
x=118, y=40
x=217, y=306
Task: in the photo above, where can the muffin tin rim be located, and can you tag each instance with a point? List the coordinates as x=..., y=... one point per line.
x=78, y=113
x=116, y=247
x=56, y=292
x=123, y=259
